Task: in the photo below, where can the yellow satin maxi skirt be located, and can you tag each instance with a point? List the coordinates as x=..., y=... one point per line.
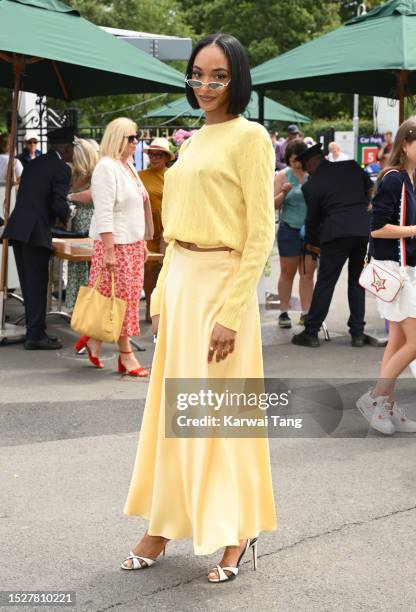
x=213, y=490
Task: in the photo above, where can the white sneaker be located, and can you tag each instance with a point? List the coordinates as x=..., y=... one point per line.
x=378, y=412
x=400, y=420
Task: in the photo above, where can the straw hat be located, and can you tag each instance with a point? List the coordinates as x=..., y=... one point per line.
x=160, y=144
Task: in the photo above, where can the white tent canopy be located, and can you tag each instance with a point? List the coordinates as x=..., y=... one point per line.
x=163, y=47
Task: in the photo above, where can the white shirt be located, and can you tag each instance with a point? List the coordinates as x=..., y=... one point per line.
x=341, y=157
x=4, y=161
x=118, y=203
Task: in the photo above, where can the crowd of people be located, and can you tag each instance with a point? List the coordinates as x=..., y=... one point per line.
x=214, y=219
x=339, y=214
x=322, y=211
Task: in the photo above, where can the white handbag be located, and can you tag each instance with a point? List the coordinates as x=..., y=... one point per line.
x=377, y=279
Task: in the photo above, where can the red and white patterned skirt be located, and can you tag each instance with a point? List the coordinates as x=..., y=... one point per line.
x=128, y=275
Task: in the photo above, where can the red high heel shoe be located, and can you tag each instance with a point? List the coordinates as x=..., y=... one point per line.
x=139, y=372
x=81, y=344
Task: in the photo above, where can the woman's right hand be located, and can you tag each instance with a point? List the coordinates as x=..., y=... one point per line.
x=155, y=324
x=287, y=187
x=110, y=258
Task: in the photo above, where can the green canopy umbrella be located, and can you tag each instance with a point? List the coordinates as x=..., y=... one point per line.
x=273, y=111
x=47, y=48
x=374, y=54
x=69, y=57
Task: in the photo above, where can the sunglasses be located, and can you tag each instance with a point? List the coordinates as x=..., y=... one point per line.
x=153, y=154
x=215, y=85
x=32, y=142
x=132, y=138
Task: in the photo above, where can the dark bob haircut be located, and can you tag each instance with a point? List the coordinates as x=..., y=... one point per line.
x=295, y=147
x=240, y=86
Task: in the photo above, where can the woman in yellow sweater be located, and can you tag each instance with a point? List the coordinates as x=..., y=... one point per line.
x=218, y=218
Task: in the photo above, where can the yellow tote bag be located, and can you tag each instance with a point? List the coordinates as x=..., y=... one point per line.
x=98, y=316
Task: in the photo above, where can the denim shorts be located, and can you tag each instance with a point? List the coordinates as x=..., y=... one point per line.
x=289, y=240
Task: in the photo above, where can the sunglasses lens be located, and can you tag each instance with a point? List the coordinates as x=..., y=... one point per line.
x=132, y=138
x=194, y=83
x=214, y=85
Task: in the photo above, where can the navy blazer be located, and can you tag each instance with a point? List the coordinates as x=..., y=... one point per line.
x=41, y=198
x=386, y=210
x=337, y=198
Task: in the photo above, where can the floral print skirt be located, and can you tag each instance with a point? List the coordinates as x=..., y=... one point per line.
x=128, y=275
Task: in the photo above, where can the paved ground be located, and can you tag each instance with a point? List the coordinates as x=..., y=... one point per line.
x=68, y=435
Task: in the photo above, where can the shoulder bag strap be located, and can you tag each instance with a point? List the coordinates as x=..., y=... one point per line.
x=402, y=241
x=402, y=222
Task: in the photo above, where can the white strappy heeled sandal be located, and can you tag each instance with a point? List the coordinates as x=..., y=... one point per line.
x=222, y=576
x=135, y=559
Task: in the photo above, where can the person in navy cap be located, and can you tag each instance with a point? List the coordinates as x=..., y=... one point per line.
x=338, y=222
x=42, y=198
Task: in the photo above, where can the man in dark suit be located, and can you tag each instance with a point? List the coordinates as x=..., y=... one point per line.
x=338, y=221
x=42, y=198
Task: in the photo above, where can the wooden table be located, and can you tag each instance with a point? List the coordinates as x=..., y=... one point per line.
x=78, y=250
x=66, y=249
x=73, y=249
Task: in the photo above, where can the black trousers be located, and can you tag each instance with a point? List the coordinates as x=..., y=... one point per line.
x=32, y=264
x=334, y=254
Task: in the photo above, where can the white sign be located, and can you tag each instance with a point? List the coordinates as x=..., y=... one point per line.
x=346, y=142
x=386, y=115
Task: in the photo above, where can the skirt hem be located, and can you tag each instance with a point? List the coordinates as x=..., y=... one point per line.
x=203, y=550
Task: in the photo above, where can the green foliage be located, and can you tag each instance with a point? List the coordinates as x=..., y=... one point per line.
x=268, y=28
x=265, y=27
x=142, y=15
x=339, y=125
x=158, y=16
x=5, y=102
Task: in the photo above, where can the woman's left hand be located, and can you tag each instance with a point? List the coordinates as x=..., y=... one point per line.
x=222, y=342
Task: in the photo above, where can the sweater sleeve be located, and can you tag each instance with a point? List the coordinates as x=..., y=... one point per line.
x=256, y=169
x=156, y=297
x=103, y=192
x=386, y=202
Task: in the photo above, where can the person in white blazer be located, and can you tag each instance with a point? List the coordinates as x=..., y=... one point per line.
x=121, y=223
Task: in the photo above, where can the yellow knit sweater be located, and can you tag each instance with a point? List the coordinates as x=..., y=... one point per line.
x=220, y=193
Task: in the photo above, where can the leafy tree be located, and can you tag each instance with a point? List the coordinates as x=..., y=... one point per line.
x=159, y=16
x=268, y=28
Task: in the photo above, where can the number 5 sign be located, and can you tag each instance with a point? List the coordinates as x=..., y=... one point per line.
x=369, y=155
